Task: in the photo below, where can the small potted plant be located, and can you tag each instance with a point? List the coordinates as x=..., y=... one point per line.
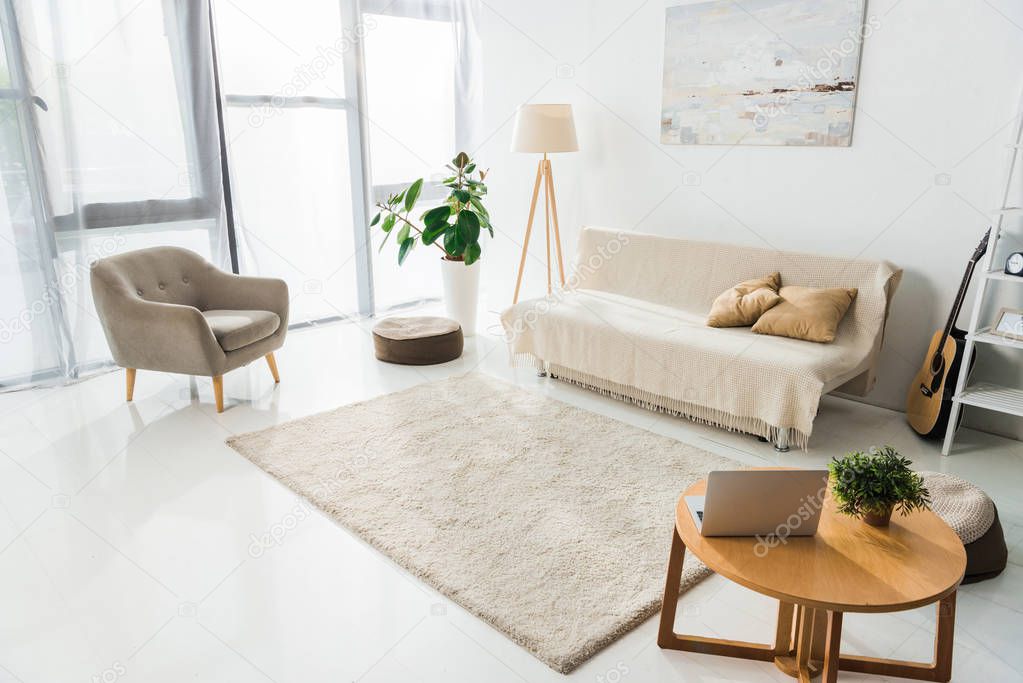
x=454, y=227
x=871, y=485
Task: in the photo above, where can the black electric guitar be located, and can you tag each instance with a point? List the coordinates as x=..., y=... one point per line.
x=929, y=399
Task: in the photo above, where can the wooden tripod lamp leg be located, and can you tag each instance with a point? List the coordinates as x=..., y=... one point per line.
x=554, y=217
x=529, y=229
x=547, y=216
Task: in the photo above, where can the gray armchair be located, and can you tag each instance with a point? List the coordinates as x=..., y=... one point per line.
x=170, y=310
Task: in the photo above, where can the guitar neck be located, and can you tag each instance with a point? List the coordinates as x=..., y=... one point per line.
x=958, y=304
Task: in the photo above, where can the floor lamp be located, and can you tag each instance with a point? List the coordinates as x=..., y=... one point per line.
x=544, y=129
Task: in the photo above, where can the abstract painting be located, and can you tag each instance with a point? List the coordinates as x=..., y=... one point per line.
x=762, y=72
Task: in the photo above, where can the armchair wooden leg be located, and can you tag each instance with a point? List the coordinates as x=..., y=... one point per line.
x=272, y=362
x=129, y=382
x=218, y=392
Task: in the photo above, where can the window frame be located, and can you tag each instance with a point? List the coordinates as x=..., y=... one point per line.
x=144, y=212
x=352, y=62
x=429, y=10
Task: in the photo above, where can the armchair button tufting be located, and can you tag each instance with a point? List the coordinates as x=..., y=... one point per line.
x=162, y=286
x=139, y=292
x=185, y=280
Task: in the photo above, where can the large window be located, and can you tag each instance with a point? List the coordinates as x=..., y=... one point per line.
x=410, y=56
x=116, y=93
x=289, y=82
x=118, y=121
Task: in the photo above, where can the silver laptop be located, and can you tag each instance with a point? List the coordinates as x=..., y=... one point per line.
x=760, y=503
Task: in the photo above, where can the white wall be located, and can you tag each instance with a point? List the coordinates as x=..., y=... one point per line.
x=938, y=85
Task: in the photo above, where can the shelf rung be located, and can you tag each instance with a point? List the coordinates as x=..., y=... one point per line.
x=1007, y=210
x=986, y=336
x=993, y=397
x=1002, y=275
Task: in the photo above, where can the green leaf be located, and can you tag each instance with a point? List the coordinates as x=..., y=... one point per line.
x=403, y=233
x=468, y=226
x=436, y=216
x=461, y=195
x=461, y=161
x=478, y=205
x=412, y=194
x=469, y=169
x=453, y=244
x=405, y=248
x=430, y=235
x=485, y=222
x=472, y=253
x=397, y=199
x=389, y=222
x=376, y=219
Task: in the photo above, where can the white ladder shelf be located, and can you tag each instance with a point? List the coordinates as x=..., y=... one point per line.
x=985, y=395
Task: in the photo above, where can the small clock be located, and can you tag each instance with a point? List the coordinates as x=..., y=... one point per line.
x=1014, y=264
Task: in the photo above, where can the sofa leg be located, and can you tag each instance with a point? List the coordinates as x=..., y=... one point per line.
x=782, y=443
x=218, y=392
x=272, y=362
x=129, y=382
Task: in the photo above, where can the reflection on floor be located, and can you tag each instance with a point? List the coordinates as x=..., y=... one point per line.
x=133, y=542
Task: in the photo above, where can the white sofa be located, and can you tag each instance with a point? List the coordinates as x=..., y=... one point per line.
x=631, y=324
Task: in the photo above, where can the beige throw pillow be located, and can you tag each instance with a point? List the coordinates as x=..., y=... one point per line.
x=807, y=313
x=744, y=303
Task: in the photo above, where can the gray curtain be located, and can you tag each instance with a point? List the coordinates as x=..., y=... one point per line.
x=110, y=143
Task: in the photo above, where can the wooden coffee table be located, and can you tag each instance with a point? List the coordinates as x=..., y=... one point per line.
x=848, y=566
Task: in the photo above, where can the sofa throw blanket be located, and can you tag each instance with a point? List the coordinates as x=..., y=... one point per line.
x=631, y=324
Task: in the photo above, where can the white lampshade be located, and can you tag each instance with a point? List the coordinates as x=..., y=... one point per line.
x=543, y=128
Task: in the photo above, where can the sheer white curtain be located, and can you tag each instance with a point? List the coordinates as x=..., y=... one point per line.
x=424, y=104
x=111, y=138
x=110, y=143
x=326, y=108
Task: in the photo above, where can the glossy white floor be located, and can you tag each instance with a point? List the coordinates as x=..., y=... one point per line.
x=136, y=546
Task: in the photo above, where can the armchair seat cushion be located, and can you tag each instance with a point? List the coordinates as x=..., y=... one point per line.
x=236, y=329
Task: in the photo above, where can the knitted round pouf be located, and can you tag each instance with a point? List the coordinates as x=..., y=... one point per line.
x=974, y=517
x=417, y=341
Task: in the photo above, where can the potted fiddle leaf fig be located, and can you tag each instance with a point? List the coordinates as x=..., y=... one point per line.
x=454, y=228
x=872, y=485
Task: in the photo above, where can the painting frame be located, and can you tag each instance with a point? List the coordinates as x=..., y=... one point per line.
x=1008, y=324
x=763, y=72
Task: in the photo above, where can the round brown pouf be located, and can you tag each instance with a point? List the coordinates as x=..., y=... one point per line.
x=973, y=516
x=417, y=341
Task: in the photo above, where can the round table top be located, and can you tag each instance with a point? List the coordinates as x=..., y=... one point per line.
x=848, y=566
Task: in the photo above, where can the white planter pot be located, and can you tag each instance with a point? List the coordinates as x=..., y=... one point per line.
x=461, y=293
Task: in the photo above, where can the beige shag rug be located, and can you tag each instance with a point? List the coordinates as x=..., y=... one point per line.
x=550, y=522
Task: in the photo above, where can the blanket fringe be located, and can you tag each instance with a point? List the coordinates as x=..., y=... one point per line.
x=664, y=404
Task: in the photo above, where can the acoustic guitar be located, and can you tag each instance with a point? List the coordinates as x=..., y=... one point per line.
x=929, y=399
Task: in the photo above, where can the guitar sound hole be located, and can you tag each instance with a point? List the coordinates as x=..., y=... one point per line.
x=937, y=364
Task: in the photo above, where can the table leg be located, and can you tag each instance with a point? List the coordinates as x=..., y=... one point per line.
x=832, y=646
x=669, y=640
x=783, y=639
x=669, y=604
x=804, y=643
x=943, y=638
x=807, y=640
x=802, y=658
x=938, y=670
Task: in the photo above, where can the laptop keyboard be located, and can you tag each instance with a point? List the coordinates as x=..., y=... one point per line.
x=699, y=513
